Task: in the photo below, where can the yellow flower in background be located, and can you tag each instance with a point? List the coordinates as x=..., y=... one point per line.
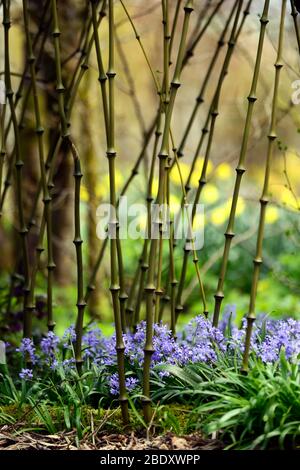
x=224, y=171
x=210, y=194
x=174, y=202
x=240, y=208
x=272, y=215
x=263, y=285
x=198, y=222
x=175, y=175
x=143, y=221
x=199, y=166
x=84, y=195
x=155, y=187
x=287, y=198
x=219, y=215
x=102, y=189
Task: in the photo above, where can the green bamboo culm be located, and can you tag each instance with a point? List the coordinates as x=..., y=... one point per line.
x=180, y=153
x=111, y=156
x=264, y=199
x=23, y=231
x=163, y=156
x=24, y=103
x=102, y=81
x=147, y=138
x=19, y=92
x=144, y=265
x=240, y=170
x=211, y=117
x=46, y=194
x=165, y=100
x=65, y=135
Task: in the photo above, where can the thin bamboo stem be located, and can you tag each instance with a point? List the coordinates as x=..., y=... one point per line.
x=46, y=194
x=213, y=114
x=27, y=328
x=134, y=172
x=77, y=177
x=111, y=155
x=272, y=137
x=163, y=155
x=240, y=170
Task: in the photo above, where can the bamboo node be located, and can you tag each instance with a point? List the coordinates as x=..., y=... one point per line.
x=178, y=308
x=264, y=21
x=23, y=231
x=123, y=296
x=163, y=155
x=56, y=33
x=111, y=153
x=150, y=288
x=39, y=130
x=229, y=234
x=51, y=265
x=278, y=65
x=219, y=296
x=111, y=74
x=264, y=200
x=240, y=170
x=159, y=292
x=251, y=317
x=175, y=83
x=114, y=288
x=252, y=98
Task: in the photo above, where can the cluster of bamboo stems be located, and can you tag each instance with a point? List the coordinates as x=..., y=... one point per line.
x=147, y=283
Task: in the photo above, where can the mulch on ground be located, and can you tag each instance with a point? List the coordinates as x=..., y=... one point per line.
x=13, y=439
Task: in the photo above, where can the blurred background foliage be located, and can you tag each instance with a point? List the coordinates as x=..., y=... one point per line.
x=136, y=103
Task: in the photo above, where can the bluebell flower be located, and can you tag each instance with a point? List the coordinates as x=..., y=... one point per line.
x=27, y=348
x=49, y=345
x=69, y=337
x=26, y=374
x=130, y=382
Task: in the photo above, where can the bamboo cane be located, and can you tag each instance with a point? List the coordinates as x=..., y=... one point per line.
x=111, y=156
x=214, y=112
x=46, y=194
x=27, y=328
x=240, y=170
x=264, y=199
x=163, y=155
